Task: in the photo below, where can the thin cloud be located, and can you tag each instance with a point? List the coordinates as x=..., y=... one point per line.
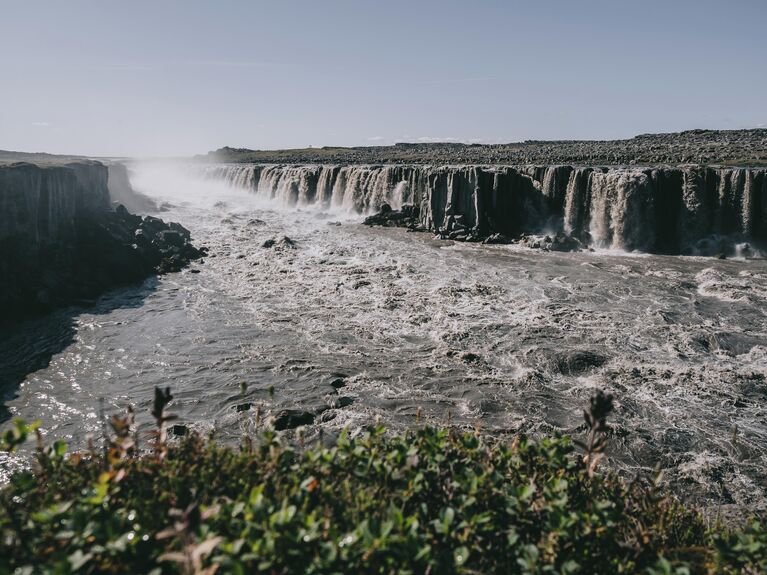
x=376, y=138
x=432, y=139
x=232, y=64
x=460, y=80
x=41, y=124
x=152, y=66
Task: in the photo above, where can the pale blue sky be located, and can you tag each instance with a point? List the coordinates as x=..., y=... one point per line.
x=182, y=77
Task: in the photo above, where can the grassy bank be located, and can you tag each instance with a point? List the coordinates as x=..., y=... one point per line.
x=427, y=501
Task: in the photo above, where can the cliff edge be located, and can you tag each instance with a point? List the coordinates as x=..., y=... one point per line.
x=60, y=239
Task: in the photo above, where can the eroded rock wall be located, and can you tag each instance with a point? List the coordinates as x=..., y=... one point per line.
x=661, y=209
x=61, y=241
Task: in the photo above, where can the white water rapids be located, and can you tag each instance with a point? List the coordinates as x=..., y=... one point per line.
x=501, y=337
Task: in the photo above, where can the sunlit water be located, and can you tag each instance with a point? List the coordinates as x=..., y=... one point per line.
x=484, y=336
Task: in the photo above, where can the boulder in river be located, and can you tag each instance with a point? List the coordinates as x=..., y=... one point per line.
x=579, y=362
x=406, y=217
x=283, y=243
x=292, y=418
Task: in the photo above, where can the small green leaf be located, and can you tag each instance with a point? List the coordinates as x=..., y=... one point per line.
x=460, y=556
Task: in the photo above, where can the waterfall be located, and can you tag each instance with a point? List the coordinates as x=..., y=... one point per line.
x=577, y=201
x=748, y=204
x=355, y=189
x=670, y=210
x=554, y=184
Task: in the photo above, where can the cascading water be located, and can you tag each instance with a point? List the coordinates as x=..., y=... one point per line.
x=349, y=188
x=674, y=210
x=621, y=213
x=577, y=200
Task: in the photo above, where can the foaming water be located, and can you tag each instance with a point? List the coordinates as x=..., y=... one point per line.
x=505, y=338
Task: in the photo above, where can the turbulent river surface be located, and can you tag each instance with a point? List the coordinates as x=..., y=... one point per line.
x=503, y=338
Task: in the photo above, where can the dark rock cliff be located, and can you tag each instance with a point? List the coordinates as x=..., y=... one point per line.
x=60, y=240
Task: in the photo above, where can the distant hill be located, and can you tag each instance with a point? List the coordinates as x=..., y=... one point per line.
x=36, y=157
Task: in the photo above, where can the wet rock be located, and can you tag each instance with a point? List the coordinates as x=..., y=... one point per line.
x=171, y=238
x=579, y=362
x=470, y=358
x=152, y=225
x=292, y=418
x=407, y=217
x=340, y=402
x=283, y=243
x=327, y=416
x=564, y=243
x=338, y=383
x=497, y=239
x=141, y=238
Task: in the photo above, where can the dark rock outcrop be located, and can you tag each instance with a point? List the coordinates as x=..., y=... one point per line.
x=60, y=241
x=283, y=243
x=292, y=418
x=406, y=217
x=579, y=362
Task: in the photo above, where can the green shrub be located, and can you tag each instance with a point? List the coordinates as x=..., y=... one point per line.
x=426, y=501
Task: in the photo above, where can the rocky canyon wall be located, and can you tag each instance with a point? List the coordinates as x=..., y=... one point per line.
x=41, y=204
x=60, y=239
x=690, y=209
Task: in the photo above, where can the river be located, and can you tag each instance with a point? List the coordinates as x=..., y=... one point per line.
x=503, y=338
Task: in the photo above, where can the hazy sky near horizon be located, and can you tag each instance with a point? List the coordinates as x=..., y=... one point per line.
x=177, y=77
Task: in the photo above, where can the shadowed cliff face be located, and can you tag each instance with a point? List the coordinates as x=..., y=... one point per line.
x=688, y=210
x=60, y=240
x=41, y=204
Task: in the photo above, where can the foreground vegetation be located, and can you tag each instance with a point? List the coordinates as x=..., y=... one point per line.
x=427, y=501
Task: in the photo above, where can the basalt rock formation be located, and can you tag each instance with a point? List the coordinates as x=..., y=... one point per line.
x=675, y=210
x=408, y=216
x=60, y=239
